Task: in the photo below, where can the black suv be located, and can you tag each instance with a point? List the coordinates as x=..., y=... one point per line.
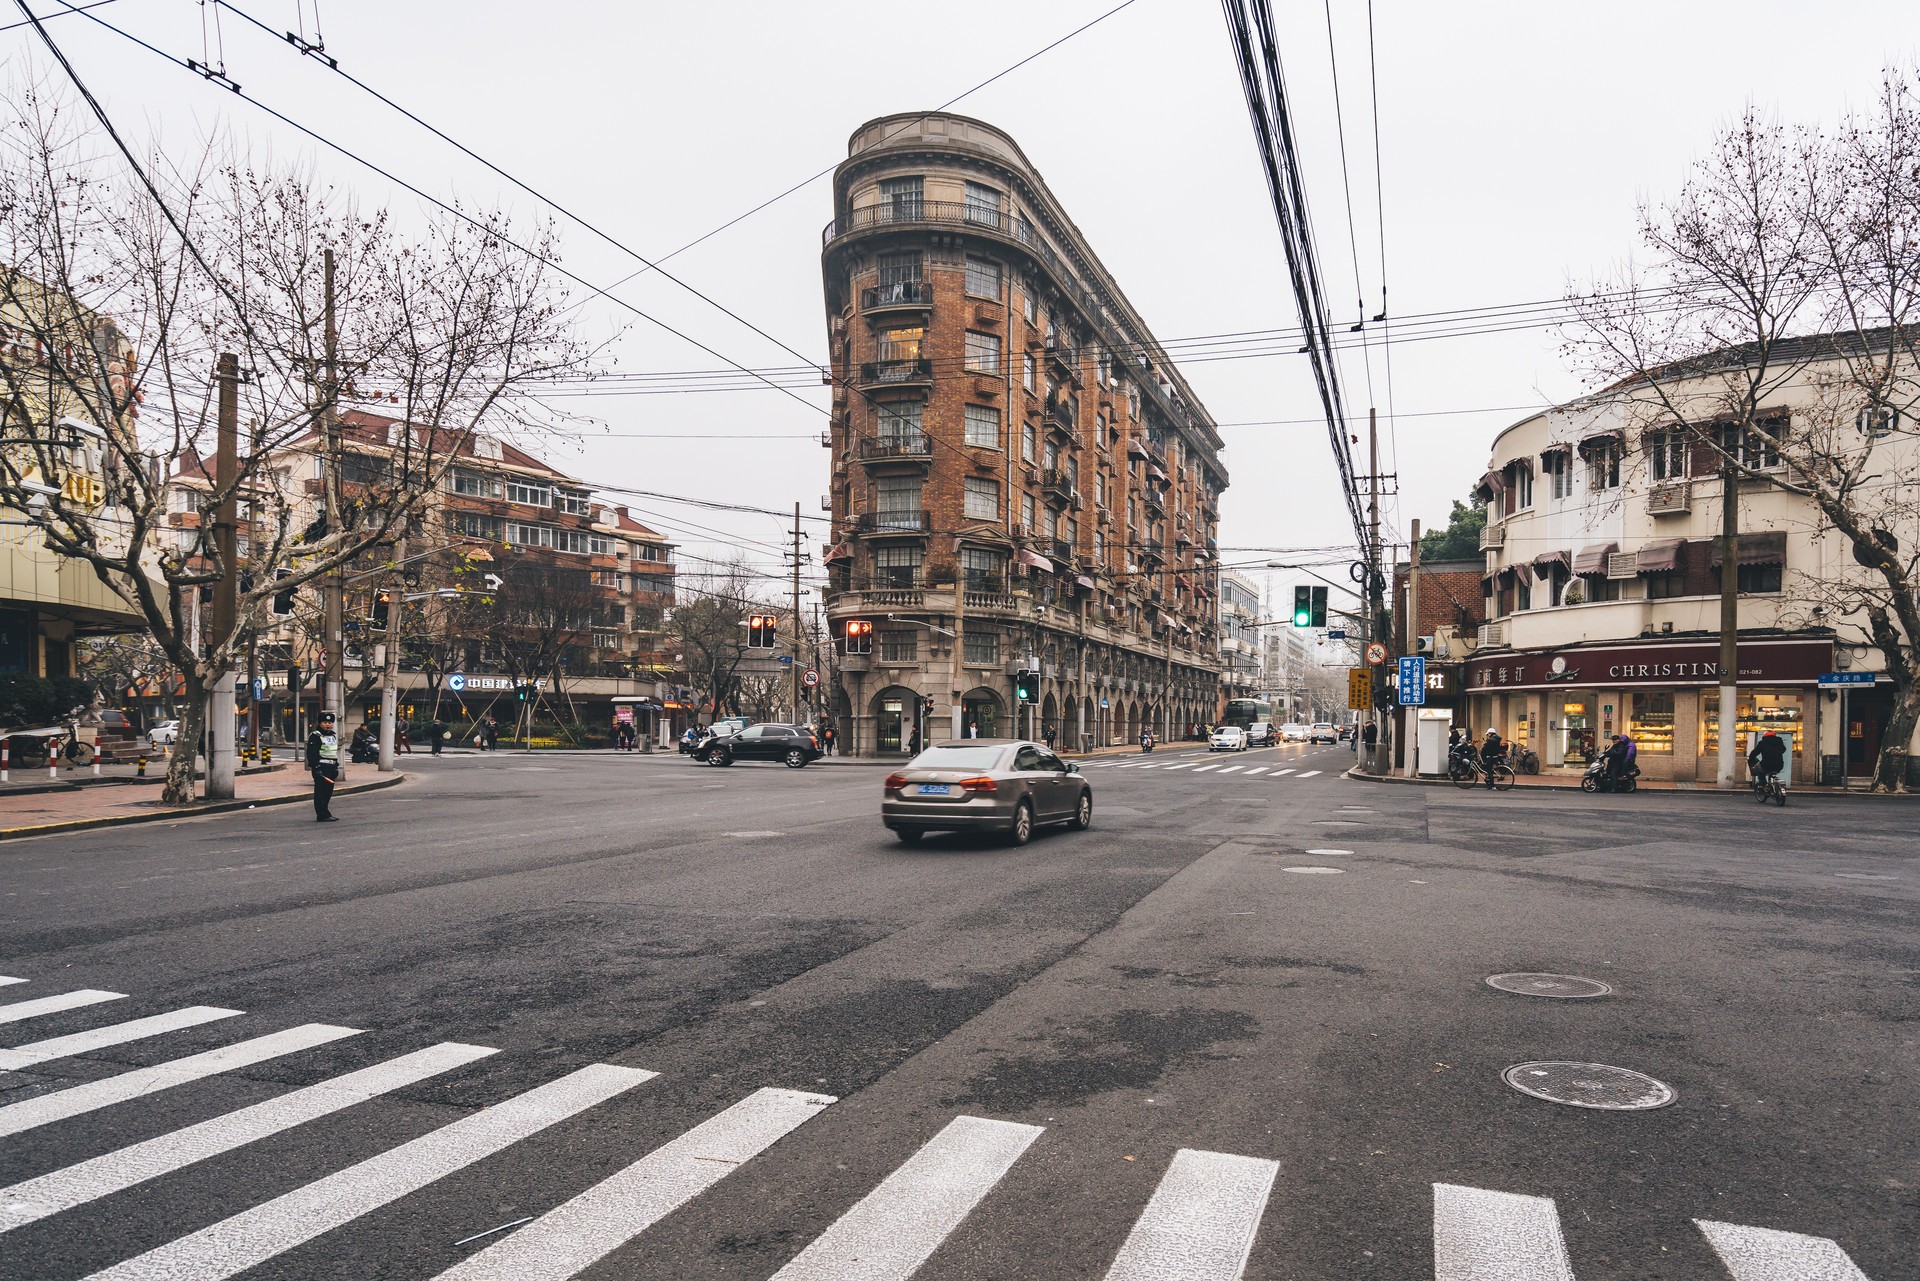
x=793, y=745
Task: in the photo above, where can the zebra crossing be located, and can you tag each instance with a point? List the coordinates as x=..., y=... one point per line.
x=1208, y=763
x=1200, y=1224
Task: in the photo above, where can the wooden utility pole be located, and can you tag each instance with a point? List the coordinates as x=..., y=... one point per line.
x=1412, y=626
x=795, y=665
x=226, y=591
x=1375, y=607
x=390, y=663
x=334, y=691
x=1729, y=615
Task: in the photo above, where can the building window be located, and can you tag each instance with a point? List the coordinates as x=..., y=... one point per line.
x=896, y=567
x=982, y=498
x=983, y=278
x=528, y=535
x=1029, y=442
x=1028, y=373
x=983, y=648
x=1603, y=465
x=983, y=426
x=1559, y=474
x=1099, y=548
x=984, y=570
x=1758, y=449
x=1760, y=579
x=983, y=204
x=475, y=484
x=1051, y=455
x=1519, y=487
x=902, y=198
x=1099, y=489
x=1028, y=307
x=899, y=269
x=571, y=502
x=1667, y=453
x=1523, y=594
x=474, y=525
x=1651, y=722
x=901, y=344
x=897, y=502
x=900, y=647
x=1026, y=510
x=900, y=421
x=529, y=495
x=1666, y=585
x=983, y=352
x=1878, y=420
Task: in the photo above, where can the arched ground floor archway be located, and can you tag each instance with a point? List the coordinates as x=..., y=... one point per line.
x=984, y=714
x=893, y=710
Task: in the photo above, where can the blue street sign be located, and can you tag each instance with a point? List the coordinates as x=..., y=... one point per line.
x=1336, y=633
x=259, y=687
x=456, y=682
x=1103, y=702
x=1830, y=679
x=1413, y=682
x=786, y=658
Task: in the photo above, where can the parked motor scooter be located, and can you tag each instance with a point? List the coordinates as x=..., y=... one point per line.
x=1597, y=779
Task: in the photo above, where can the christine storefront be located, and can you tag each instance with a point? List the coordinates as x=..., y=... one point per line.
x=1568, y=703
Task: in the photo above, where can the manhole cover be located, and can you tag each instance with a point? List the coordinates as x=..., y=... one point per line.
x=1565, y=986
x=1590, y=1085
x=1317, y=871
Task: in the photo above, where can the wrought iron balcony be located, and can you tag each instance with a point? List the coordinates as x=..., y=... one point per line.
x=898, y=447
x=893, y=523
x=901, y=295
x=1057, y=483
x=893, y=373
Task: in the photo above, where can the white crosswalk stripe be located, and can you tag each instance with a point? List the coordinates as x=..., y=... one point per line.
x=1204, y=768
x=1496, y=1236
x=100, y=1038
x=1201, y=1222
x=253, y=1236
x=606, y=1216
x=1257, y=769
x=70, y=1102
x=897, y=1226
x=1308, y=773
x=1175, y=767
x=54, y=1004
x=116, y=1171
x=1277, y=773
x=1762, y=1254
x=5, y=980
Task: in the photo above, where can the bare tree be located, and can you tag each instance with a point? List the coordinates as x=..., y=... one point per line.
x=711, y=631
x=1777, y=326
x=118, y=299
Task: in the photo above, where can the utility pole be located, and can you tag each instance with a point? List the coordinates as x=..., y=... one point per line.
x=226, y=592
x=795, y=665
x=334, y=692
x=1412, y=624
x=390, y=665
x=1730, y=615
x=1376, y=603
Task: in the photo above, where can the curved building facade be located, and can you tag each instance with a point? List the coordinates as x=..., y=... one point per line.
x=1021, y=478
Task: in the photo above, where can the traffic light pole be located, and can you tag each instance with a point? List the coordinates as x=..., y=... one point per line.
x=226, y=592
x=390, y=669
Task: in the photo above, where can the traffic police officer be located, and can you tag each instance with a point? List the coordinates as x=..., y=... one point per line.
x=323, y=762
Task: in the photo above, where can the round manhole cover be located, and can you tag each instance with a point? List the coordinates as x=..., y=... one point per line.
x=1567, y=987
x=1590, y=1085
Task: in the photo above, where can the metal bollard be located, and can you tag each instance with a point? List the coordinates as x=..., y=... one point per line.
x=266, y=754
x=6, y=745
x=53, y=758
x=143, y=766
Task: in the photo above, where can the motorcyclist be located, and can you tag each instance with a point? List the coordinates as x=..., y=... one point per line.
x=1618, y=758
x=364, y=747
x=1493, y=751
x=1768, y=757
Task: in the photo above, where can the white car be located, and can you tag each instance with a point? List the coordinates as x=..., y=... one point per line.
x=163, y=734
x=1228, y=738
x=1293, y=733
x=1323, y=733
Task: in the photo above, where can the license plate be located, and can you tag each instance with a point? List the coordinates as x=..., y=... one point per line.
x=936, y=789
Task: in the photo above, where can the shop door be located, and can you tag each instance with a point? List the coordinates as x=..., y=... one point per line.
x=891, y=718
x=1867, y=714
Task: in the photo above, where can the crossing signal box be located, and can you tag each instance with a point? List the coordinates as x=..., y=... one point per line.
x=1026, y=686
x=382, y=608
x=1319, y=599
x=1303, y=607
x=760, y=631
x=283, y=599
x=859, y=636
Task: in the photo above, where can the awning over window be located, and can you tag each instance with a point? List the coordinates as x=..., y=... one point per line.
x=1137, y=448
x=1083, y=581
x=1761, y=547
x=1554, y=451
x=1036, y=560
x=1168, y=621
x=1543, y=564
x=1490, y=484
x=1661, y=555
x=1593, y=560
x=1507, y=577
x=1591, y=445
x=840, y=551
x=1157, y=474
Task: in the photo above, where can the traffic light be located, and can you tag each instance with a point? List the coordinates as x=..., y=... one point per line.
x=760, y=631
x=382, y=608
x=859, y=636
x=283, y=599
x=522, y=692
x=295, y=679
x=1026, y=686
x=1303, y=607
x=1319, y=607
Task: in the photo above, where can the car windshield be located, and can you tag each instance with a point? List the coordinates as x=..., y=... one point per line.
x=957, y=757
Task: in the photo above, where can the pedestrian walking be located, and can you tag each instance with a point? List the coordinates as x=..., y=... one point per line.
x=826, y=738
x=1369, y=735
x=440, y=734
x=1047, y=732
x=323, y=762
x=489, y=733
x=913, y=742
x=402, y=741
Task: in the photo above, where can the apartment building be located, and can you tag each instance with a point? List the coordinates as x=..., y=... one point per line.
x=1240, y=633
x=1020, y=477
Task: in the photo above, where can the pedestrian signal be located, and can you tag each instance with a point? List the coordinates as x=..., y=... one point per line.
x=859, y=636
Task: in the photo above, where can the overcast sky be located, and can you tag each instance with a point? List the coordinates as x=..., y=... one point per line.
x=1516, y=141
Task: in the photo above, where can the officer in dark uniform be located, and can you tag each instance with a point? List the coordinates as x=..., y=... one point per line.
x=323, y=762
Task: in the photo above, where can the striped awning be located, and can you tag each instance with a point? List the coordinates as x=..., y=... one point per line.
x=1037, y=561
x=1593, y=560
x=1543, y=563
x=839, y=551
x=1660, y=555
x=1761, y=547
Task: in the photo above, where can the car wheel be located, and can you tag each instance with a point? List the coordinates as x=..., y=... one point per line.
x=1083, y=813
x=1022, y=830
x=720, y=757
x=908, y=835
x=796, y=759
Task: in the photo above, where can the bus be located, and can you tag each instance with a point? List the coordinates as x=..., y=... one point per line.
x=1246, y=712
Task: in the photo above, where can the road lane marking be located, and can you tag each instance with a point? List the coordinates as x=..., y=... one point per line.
x=1496, y=1236
x=1188, y=765
x=1308, y=773
x=1762, y=1254
x=86, y=1181
x=1201, y=1222
x=1204, y=768
x=1277, y=773
x=1258, y=769
x=1229, y=769
x=253, y=1236
x=60, y=1047
x=54, y=1004
x=573, y=1236
x=70, y=1102
x=5, y=980
x=896, y=1227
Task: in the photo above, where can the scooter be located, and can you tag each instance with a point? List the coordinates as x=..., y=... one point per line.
x=1597, y=779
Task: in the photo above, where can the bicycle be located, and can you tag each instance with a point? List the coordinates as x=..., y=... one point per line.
x=1467, y=773
x=1768, y=787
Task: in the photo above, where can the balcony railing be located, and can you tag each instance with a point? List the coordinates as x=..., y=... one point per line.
x=1058, y=482
x=1062, y=553
x=912, y=446
x=1063, y=411
x=1063, y=353
x=901, y=293
x=1154, y=548
x=1492, y=536
x=992, y=600
x=892, y=523
x=884, y=372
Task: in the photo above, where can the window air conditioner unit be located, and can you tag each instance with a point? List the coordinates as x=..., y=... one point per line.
x=826, y=440
x=1671, y=499
x=1623, y=565
x=1492, y=634
x=826, y=502
x=1492, y=536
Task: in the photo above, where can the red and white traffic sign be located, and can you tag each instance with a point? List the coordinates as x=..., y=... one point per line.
x=1376, y=653
x=810, y=678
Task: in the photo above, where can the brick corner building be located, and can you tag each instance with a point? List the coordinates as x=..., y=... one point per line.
x=1021, y=477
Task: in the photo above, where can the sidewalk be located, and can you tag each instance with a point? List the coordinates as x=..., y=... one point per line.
x=40, y=813
x=1567, y=781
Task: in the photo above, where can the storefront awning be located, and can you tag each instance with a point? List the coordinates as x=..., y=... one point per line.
x=1543, y=564
x=1037, y=561
x=1593, y=560
x=1661, y=555
x=1761, y=547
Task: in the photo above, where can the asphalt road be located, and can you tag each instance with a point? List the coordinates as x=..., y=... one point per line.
x=1246, y=1007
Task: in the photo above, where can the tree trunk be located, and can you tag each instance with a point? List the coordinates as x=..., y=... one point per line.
x=1890, y=770
x=186, y=745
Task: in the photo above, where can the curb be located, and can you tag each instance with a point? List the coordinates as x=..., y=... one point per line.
x=190, y=811
x=1804, y=792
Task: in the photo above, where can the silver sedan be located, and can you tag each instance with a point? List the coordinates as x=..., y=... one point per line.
x=1008, y=786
